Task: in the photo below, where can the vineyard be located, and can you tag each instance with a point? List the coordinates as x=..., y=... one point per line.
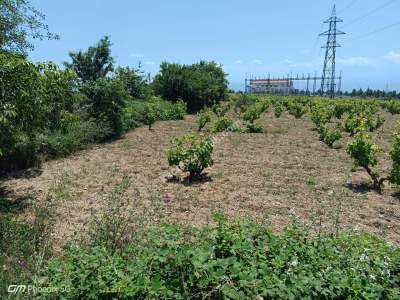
x=315, y=158
x=327, y=164
x=121, y=184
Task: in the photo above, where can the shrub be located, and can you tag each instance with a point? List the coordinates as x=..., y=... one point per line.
x=395, y=155
x=134, y=81
x=278, y=109
x=174, y=111
x=241, y=260
x=203, y=118
x=253, y=128
x=219, y=109
x=364, y=154
x=329, y=136
x=76, y=136
x=242, y=103
x=58, y=95
x=297, y=109
x=191, y=154
x=393, y=106
x=376, y=123
x=21, y=110
x=35, y=99
x=149, y=115
x=321, y=114
x=224, y=124
x=252, y=113
x=353, y=121
x=136, y=111
x=199, y=85
x=340, y=108
x=106, y=99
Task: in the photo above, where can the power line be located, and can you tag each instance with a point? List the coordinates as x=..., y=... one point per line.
x=351, y=4
x=386, y=4
x=328, y=81
x=374, y=32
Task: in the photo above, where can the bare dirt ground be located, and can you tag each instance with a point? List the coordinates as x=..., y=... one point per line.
x=282, y=174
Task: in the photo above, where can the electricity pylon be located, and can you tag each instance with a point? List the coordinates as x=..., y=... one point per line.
x=328, y=82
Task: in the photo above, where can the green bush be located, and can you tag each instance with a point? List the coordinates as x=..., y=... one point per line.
x=253, y=128
x=252, y=113
x=365, y=153
x=21, y=109
x=58, y=95
x=135, y=111
x=166, y=110
x=351, y=123
x=231, y=261
x=321, y=114
x=329, y=136
x=191, y=154
x=392, y=106
x=77, y=136
x=135, y=83
x=340, y=108
x=224, y=124
x=203, y=118
x=297, y=109
x=242, y=102
x=395, y=155
x=278, y=109
x=36, y=99
x=371, y=122
x=106, y=99
x=199, y=85
x=149, y=115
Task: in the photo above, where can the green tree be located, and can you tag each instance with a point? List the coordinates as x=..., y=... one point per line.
x=20, y=22
x=199, y=85
x=134, y=82
x=20, y=102
x=106, y=101
x=93, y=64
x=59, y=94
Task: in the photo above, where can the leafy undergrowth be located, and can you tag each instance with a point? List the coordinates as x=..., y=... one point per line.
x=230, y=261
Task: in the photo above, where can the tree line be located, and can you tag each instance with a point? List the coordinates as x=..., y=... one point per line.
x=48, y=110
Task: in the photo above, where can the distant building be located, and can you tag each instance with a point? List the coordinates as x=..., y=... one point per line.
x=265, y=86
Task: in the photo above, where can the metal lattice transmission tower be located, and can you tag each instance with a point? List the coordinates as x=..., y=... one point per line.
x=328, y=82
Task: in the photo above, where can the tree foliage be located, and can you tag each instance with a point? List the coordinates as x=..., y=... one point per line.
x=106, y=99
x=199, y=85
x=19, y=23
x=94, y=63
x=135, y=83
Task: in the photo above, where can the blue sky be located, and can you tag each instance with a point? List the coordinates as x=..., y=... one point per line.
x=254, y=37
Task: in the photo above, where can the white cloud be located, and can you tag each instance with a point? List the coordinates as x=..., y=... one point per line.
x=137, y=55
x=286, y=62
x=238, y=62
x=256, y=62
x=354, y=61
x=393, y=57
x=149, y=63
